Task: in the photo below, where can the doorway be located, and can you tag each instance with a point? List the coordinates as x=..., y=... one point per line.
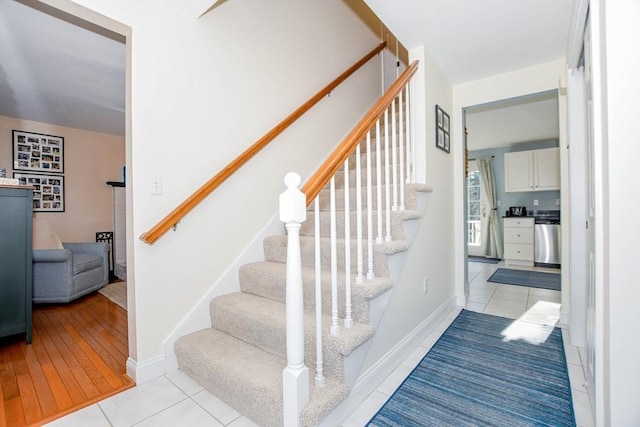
x=80, y=349
x=477, y=214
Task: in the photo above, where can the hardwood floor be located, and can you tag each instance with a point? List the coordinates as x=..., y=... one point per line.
x=77, y=358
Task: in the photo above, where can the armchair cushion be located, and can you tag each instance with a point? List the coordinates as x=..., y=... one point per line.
x=85, y=262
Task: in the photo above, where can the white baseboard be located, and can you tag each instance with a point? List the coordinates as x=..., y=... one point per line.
x=150, y=369
x=199, y=318
x=369, y=380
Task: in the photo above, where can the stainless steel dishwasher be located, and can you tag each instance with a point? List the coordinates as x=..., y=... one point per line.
x=547, y=247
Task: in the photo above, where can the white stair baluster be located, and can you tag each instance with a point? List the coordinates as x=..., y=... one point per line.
x=370, y=274
x=359, y=262
x=387, y=179
x=348, y=318
x=295, y=377
x=409, y=137
x=401, y=151
x=394, y=155
x=319, y=380
x=379, y=236
x=335, y=327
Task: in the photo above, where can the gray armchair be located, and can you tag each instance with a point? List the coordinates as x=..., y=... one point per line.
x=62, y=275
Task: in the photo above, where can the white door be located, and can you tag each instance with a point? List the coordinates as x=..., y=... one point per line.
x=477, y=212
x=590, y=224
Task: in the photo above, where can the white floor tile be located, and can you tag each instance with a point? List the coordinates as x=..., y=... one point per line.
x=349, y=422
x=480, y=296
x=582, y=409
x=583, y=355
x=141, y=402
x=216, y=407
x=543, y=292
x=482, y=285
x=414, y=358
x=185, y=413
x=89, y=416
x=542, y=312
x=475, y=306
x=243, y=422
x=511, y=290
x=184, y=382
x=571, y=352
x=394, y=380
x=369, y=407
x=577, y=378
x=430, y=341
x=502, y=310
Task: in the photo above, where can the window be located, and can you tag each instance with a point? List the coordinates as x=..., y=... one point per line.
x=473, y=203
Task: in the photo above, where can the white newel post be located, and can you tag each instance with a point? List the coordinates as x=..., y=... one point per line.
x=295, y=377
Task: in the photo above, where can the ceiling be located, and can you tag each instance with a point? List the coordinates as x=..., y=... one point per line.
x=527, y=119
x=475, y=39
x=69, y=74
x=60, y=72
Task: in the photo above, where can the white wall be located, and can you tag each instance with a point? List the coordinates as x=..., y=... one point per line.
x=539, y=78
x=432, y=251
x=616, y=32
x=201, y=92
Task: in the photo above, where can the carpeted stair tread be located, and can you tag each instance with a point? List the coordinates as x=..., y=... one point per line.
x=397, y=222
x=261, y=322
x=275, y=272
x=249, y=379
x=275, y=250
x=322, y=400
x=268, y=279
x=243, y=376
x=410, y=196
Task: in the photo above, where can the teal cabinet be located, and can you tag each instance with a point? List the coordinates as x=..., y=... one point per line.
x=16, y=220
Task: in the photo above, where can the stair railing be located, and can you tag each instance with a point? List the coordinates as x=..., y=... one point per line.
x=172, y=219
x=397, y=160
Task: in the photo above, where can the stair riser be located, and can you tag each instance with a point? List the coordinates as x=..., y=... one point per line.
x=339, y=177
x=383, y=156
x=325, y=198
x=274, y=288
x=308, y=227
x=276, y=251
x=270, y=336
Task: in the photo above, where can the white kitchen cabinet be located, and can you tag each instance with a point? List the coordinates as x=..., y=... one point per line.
x=533, y=170
x=518, y=241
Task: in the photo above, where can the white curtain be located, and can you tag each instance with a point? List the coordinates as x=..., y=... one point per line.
x=491, y=240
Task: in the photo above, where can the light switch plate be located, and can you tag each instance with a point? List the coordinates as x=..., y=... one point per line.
x=156, y=185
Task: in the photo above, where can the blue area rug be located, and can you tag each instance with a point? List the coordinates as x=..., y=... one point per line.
x=471, y=377
x=483, y=260
x=534, y=279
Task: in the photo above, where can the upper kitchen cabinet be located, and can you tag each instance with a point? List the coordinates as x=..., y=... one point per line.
x=533, y=170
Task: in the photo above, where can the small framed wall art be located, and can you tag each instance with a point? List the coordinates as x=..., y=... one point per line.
x=37, y=152
x=442, y=130
x=48, y=191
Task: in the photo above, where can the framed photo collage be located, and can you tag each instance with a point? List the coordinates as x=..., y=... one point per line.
x=38, y=161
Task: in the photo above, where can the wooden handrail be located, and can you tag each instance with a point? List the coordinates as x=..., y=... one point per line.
x=322, y=176
x=207, y=188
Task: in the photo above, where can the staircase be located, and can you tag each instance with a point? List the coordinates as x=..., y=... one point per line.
x=241, y=358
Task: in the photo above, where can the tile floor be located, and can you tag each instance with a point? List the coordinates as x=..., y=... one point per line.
x=175, y=400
